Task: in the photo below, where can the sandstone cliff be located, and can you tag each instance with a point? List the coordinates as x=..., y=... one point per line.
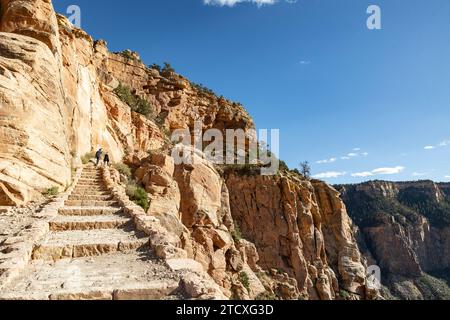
x=404, y=228
x=58, y=103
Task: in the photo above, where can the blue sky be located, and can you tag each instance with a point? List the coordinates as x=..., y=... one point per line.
x=358, y=104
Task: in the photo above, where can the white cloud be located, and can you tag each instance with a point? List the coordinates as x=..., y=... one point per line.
x=305, y=62
x=443, y=144
x=379, y=171
x=362, y=174
x=330, y=175
x=395, y=170
x=231, y=3
x=447, y=177
x=355, y=154
x=331, y=160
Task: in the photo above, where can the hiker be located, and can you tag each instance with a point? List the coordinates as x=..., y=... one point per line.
x=106, y=160
x=98, y=155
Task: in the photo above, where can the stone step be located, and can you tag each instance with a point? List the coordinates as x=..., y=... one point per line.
x=93, y=191
x=90, y=183
x=90, y=186
x=91, y=198
x=68, y=223
x=131, y=276
x=90, y=193
x=87, y=243
x=90, y=203
x=88, y=196
x=89, y=211
x=90, y=178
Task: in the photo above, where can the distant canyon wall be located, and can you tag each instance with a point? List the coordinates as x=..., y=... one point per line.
x=404, y=227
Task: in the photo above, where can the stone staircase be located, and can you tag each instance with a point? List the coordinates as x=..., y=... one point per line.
x=93, y=251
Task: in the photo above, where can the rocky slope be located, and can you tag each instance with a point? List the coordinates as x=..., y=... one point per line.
x=405, y=229
x=58, y=102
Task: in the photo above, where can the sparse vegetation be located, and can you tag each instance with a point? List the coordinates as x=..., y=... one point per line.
x=203, y=89
x=51, y=192
x=266, y=296
x=433, y=288
x=418, y=199
x=245, y=280
x=156, y=67
x=123, y=169
x=241, y=169
x=283, y=166
x=87, y=157
x=168, y=67
x=128, y=54
x=305, y=169
x=344, y=294
x=138, y=195
x=237, y=234
x=296, y=172
x=136, y=103
x=368, y=210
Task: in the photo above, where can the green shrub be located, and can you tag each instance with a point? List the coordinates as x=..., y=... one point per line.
x=241, y=169
x=237, y=234
x=168, y=67
x=138, y=195
x=123, y=169
x=344, y=294
x=283, y=166
x=296, y=172
x=136, y=103
x=266, y=296
x=87, y=157
x=156, y=67
x=127, y=54
x=203, y=89
x=51, y=192
x=433, y=288
x=245, y=280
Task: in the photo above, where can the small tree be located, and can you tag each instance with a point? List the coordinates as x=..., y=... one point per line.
x=155, y=66
x=168, y=67
x=305, y=169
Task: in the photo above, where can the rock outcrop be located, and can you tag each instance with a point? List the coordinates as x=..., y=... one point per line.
x=403, y=227
x=302, y=230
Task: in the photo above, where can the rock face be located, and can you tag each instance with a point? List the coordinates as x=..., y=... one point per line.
x=58, y=103
x=404, y=227
x=302, y=230
x=192, y=202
